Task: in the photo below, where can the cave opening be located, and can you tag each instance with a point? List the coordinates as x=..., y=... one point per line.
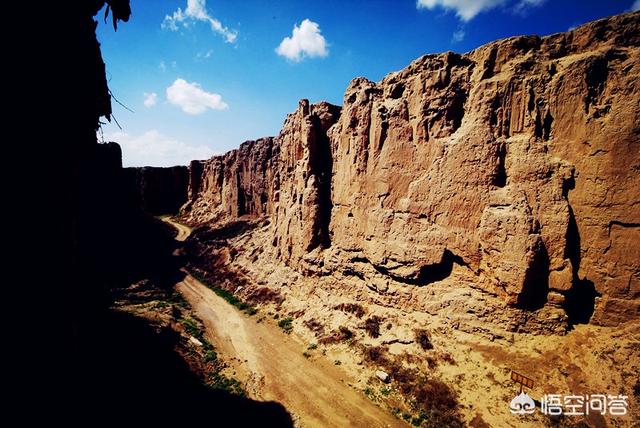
x=535, y=287
x=439, y=271
x=580, y=299
x=579, y=302
x=500, y=174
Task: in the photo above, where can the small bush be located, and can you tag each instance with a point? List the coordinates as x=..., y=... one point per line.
x=376, y=355
x=221, y=382
x=352, y=308
x=306, y=354
x=225, y=294
x=446, y=357
x=177, y=299
x=422, y=337
x=372, y=326
x=337, y=362
x=314, y=326
x=433, y=393
x=264, y=295
x=286, y=324
x=432, y=362
x=210, y=356
x=345, y=333
x=313, y=346
x=342, y=334
x=191, y=327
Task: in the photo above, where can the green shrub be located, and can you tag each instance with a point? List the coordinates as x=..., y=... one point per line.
x=210, y=356
x=286, y=324
x=191, y=327
x=226, y=295
x=221, y=382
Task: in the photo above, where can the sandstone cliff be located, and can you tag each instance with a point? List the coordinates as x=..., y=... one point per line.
x=515, y=166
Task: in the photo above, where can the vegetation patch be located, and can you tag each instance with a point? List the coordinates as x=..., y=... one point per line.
x=286, y=324
x=226, y=295
x=423, y=339
x=372, y=326
x=218, y=381
x=315, y=326
x=433, y=403
x=352, y=308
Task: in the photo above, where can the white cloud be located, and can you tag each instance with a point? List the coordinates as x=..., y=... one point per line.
x=458, y=36
x=524, y=5
x=197, y=11
x=150, y=99
x=192, y=99
x=635, y=6
x=204, y=55
x=465, y=9
x=152, y=148
x=162, y=66
x=305, y=41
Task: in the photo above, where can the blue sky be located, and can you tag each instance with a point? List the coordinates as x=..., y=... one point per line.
x=202, y=76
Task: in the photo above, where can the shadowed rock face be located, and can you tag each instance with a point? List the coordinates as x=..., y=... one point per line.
x=158, y=190
x=518, y=161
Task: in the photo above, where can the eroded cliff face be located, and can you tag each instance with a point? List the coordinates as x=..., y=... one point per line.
x=158, y=190
x=513, y=169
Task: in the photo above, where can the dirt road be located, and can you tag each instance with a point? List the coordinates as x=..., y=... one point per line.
x=314, y=391
x=183, y=231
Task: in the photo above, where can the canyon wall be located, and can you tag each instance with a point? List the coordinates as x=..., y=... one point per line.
x=158, y=190
x=517, y=164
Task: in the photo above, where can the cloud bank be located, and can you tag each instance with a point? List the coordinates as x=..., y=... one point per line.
x=192, y=99
x=197, y=11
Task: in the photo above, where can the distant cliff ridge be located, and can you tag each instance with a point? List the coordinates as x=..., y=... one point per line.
x=516, y=164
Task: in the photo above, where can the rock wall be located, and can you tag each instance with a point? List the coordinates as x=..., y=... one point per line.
x=517, y=163
x=158, y=190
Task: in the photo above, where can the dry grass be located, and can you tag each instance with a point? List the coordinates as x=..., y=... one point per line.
x=433, y=399
x=315, y=326
x=372, y=326
x=423, y=339
x=352, y=308
x=342, y=334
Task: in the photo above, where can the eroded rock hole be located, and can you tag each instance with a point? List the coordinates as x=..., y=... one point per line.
x=535, y=287
x=500, y=174
x=439, y=271
x=580, y=301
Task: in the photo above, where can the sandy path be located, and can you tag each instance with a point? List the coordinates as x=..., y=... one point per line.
x=183, y=231
x=314, y=390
